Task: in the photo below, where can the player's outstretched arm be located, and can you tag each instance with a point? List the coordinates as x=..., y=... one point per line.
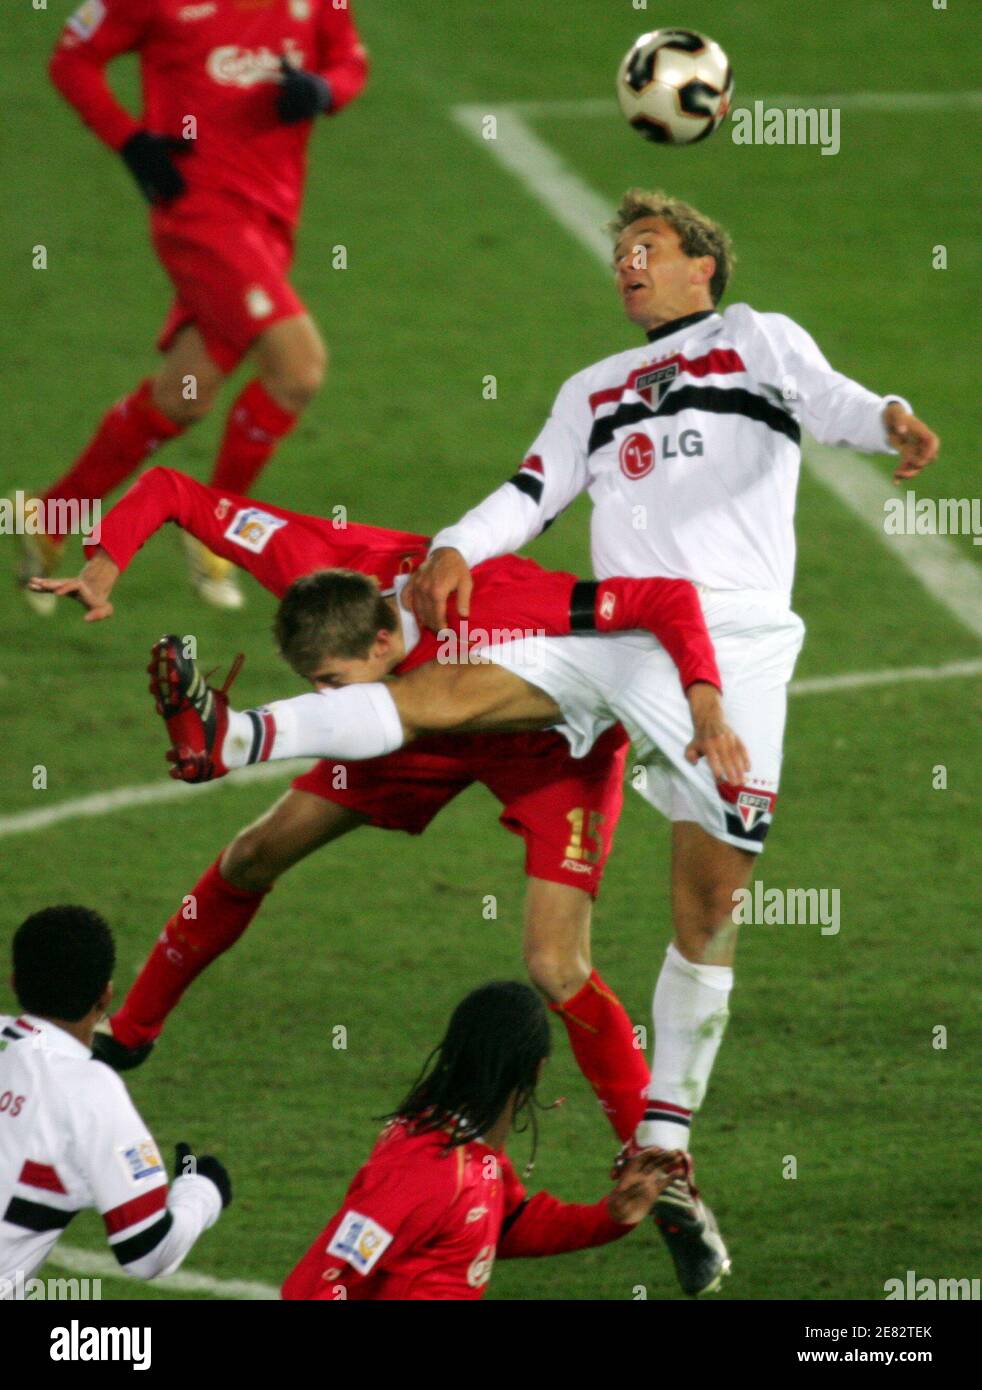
x=91, y=588
x=543, y=1225
x=274, y=545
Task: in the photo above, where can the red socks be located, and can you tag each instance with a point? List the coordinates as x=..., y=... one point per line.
x=603, y=1044
x=210, y=920
x=256, y=424
x=129, y=432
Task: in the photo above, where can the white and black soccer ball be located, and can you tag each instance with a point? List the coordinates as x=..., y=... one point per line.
x=675, y=86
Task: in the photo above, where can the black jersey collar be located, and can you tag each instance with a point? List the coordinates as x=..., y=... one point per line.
x=686, y=321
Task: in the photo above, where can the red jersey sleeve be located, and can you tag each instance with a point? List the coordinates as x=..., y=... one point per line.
x=668, y=608
x=389, y=1208
x=514, y=597
x=543, y=1225
x=97, y=32
x=276, y=546
x=341, y=58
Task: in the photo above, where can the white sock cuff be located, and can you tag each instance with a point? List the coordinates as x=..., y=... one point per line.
x=715, y=976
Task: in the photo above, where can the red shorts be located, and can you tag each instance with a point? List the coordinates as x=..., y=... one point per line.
x=229, y=261
x=565, y=808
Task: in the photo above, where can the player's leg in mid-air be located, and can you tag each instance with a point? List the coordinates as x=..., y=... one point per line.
x=216, y=912
x=566, y=814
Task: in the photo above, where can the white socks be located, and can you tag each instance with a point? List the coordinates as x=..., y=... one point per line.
x=355, y=722
x=689, y=1012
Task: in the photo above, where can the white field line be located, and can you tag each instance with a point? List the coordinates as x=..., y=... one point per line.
x=952, y=579
x=842, y=101
x=93, y=1265
x=144, y=794
x=858, y=680
x=152, y=793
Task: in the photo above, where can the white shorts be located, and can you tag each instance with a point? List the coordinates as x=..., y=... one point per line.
x=598, y=680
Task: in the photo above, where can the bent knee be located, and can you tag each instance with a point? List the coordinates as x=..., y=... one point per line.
x=296, y=386
x=171, y=400
x=250, y=861
x=555, y=974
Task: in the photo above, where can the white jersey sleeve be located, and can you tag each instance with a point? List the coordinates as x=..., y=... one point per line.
x=554, y=472
x=150, y=1227
x=833, y=408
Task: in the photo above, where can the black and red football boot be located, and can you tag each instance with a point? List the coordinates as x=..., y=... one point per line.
x=196, y=714
x=688, y=1227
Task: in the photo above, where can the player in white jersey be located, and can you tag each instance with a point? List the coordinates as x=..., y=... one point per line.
x=70, y=1137
x=689, y=448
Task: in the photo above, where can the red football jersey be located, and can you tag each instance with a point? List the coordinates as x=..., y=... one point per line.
x=422, y=1222
x=510, y=593
x=216, y=62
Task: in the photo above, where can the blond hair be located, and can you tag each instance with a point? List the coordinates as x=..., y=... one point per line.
x=698, y=234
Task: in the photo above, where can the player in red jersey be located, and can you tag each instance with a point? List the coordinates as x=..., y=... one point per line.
x=566, y=809
x=438, y=1199
x=231, y=89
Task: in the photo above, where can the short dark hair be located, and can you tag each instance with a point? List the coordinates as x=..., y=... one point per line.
x=330, y=613
x=63, y=959
x=497, y=1038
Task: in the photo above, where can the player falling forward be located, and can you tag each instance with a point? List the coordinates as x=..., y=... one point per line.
x=690, y=450
x=230, y=91
x=438, y=1199
x=566, y=809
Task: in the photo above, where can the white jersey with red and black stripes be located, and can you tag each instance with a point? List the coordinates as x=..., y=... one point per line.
x=71, y=1138
x=689, y=446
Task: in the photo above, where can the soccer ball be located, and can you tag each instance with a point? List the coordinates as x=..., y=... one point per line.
x=674, y=86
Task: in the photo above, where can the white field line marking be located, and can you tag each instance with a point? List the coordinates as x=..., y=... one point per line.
x=952, y=579
x=144, y=794
x=92, y=1264
x=151, y=793
x=843, y=101
x=857, y=680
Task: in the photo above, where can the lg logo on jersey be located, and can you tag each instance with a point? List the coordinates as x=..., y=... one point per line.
x=637, y=452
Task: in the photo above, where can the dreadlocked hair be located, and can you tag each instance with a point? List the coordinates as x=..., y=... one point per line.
x=497, y=1039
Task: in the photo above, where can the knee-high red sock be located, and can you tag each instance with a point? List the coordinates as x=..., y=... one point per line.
x=187, y=945
x=128, y=433
x=256, y=424
x=603, y=1044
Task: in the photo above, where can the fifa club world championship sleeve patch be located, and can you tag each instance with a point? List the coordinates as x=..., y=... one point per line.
x=360, y=1242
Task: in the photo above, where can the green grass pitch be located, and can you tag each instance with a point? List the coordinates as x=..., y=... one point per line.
x=454, y=273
